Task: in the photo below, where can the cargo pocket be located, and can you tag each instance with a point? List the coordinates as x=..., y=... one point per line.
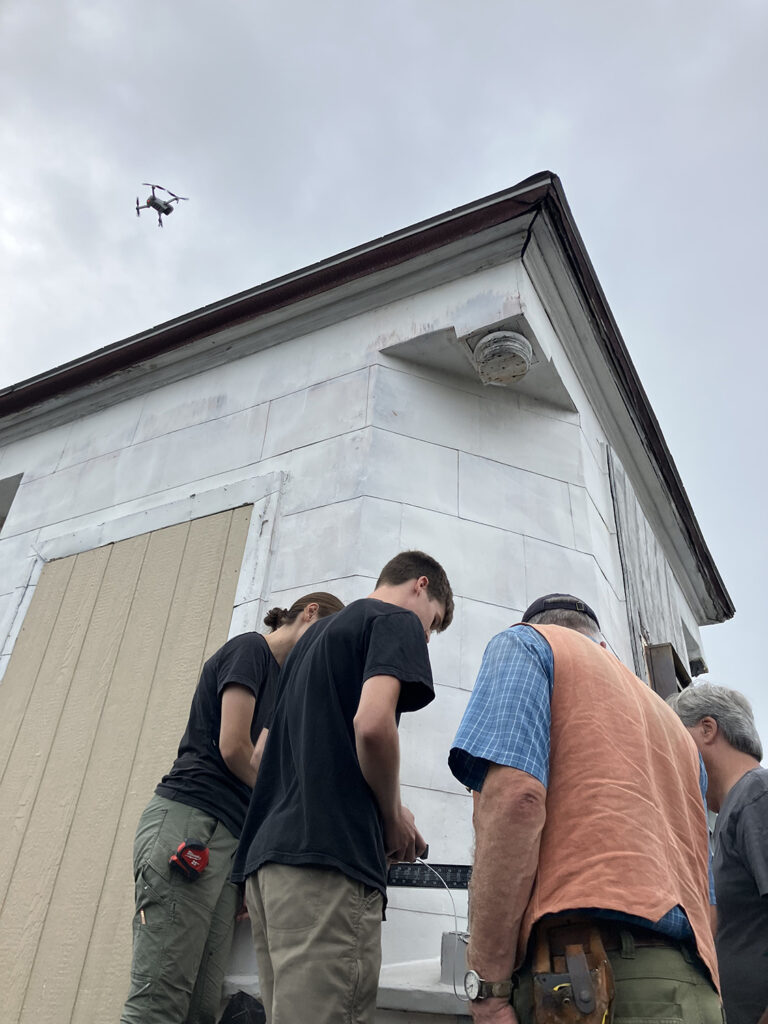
x=150, y=925
x=148, y=834
x=649, y=1012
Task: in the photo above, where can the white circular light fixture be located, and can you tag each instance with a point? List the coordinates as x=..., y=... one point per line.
x=503, y=357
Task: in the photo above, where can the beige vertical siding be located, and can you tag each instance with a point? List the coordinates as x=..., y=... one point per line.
x=92, y=707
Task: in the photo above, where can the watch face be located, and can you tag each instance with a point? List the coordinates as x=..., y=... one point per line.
x=472, y=984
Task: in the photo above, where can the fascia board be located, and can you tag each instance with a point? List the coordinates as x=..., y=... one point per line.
x=469, y=254
x=393, y=250
x=552, y=276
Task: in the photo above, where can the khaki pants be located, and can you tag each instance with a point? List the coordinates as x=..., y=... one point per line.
x=182, y=930
x=653, y=984
x=317, y=935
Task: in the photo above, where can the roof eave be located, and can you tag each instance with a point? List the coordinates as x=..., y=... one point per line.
x=542, y=192
x=383, y=253
x=617, y=358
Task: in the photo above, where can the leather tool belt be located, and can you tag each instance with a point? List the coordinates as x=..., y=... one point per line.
x=572, y=977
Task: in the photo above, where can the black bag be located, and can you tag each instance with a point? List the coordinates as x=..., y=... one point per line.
x=243, y=1009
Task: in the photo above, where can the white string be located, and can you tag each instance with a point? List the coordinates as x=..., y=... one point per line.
x=461, y=998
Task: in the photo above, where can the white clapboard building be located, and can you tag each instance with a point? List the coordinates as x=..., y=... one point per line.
x=458, y=386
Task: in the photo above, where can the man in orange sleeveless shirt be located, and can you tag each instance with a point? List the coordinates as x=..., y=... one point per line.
x=588, y=814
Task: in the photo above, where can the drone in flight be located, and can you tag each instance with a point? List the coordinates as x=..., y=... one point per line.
x=164, y=207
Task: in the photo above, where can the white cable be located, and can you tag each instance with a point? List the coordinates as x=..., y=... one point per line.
x=461, y=998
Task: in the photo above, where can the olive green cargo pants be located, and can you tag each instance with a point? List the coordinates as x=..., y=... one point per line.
x=182, y=930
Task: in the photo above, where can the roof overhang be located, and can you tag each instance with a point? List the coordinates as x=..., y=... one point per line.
x=431, y=246
x=532, y=221
x=557, y=262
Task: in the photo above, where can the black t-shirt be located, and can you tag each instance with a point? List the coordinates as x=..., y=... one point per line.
x=311, y=803
x=740, y=866
x=199, y=776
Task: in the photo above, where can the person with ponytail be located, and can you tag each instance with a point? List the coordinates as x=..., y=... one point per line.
x=188, y=833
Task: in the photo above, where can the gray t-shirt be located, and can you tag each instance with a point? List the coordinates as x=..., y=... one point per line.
x=740, y=866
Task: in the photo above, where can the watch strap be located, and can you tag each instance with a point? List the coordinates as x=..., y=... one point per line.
x=496, y=989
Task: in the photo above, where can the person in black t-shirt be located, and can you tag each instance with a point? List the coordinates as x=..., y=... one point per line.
x=325, y=815
x=723, y=727
x=185, y=911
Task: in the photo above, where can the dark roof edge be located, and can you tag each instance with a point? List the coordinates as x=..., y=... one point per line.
x=381, y=254
x=540, y=192
x=632, y=391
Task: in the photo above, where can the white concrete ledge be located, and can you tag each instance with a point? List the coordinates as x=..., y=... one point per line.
x=412, y=987
x=416, y=987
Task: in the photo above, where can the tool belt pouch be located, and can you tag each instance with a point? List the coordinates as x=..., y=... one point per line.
x=190, y=859
x=572, y=977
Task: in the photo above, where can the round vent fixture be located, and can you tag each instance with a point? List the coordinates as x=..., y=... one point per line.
x=502, y=357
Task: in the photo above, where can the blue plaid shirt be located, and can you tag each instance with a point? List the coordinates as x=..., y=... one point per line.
x=507, y=721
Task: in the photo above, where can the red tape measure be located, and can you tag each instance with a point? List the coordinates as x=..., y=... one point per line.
x=190, y=858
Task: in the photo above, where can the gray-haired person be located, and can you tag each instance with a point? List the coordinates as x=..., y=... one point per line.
x=723, y=728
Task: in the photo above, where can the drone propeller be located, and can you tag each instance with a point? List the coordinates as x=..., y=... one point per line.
x=175, y=197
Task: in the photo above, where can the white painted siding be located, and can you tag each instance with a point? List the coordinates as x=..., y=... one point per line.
x=510, y=493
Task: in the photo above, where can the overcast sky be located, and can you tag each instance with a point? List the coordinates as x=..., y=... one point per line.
x=300, y=129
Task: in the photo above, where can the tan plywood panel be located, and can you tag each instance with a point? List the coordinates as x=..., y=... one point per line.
x=64, y=853
x=26, y=768
x=103, y=978
x=221, y=615
x=181, y=655
x=37, y=728
x=29, y=651
x=45, y=842
x=210, y=544
x=100, y=684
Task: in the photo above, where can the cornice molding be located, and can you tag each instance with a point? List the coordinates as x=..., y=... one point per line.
x=488, y=248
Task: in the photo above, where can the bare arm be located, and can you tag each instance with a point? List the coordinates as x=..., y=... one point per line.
x=509, y=816
x=378, y=752
x=258, y=750
x=235, y=746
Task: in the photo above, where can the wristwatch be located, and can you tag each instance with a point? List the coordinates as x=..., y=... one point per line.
x=476, y=988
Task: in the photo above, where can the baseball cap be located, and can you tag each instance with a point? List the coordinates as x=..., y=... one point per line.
x=564, y=602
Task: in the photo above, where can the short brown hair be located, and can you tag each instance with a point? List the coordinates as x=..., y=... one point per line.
x=327, y=605
x=410, y=565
